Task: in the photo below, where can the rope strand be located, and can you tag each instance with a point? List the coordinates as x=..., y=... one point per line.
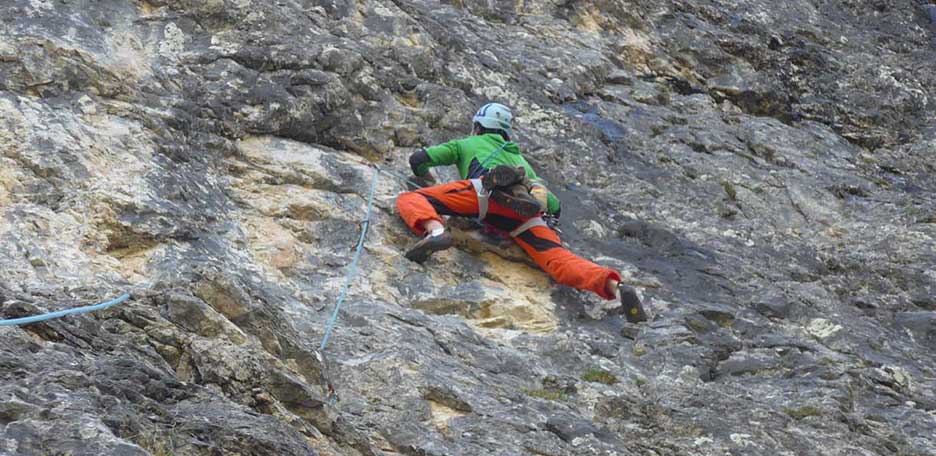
x=354, y=261
x=62, y=313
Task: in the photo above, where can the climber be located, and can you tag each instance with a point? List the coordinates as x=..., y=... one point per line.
x=501, y=189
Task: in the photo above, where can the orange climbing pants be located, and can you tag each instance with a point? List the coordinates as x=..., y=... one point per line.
x=540, y=242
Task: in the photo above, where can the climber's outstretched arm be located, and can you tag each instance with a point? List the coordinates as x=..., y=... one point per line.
x=441, y=155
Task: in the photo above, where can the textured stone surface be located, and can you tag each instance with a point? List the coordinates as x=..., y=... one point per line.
x=760, y=171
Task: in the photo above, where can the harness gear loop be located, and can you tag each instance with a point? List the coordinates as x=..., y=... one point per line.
x=483, y=196
x=535, y=221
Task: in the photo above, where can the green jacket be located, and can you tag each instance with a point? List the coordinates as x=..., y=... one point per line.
x=475, y=155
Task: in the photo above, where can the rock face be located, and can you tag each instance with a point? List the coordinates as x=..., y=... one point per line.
x=762, y=172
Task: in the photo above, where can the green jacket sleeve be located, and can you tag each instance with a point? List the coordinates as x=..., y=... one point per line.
x=552, y=204
x=441, y=155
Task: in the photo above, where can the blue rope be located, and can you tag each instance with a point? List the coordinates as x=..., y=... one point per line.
x=62, y=313
x=357, y=255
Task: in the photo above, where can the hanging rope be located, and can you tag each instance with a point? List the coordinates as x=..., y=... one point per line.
x=62, y=313
x=365, y=224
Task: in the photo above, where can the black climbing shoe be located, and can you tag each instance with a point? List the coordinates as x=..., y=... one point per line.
x=429, y=244
x=518, y=199
x=630, y=304
x=502, y=176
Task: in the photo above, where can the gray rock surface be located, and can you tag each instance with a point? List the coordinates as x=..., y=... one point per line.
x=760, y=171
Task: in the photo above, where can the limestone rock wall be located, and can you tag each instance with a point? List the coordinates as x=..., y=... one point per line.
x=762, y=172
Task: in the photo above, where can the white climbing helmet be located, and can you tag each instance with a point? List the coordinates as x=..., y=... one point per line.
x=494, y=116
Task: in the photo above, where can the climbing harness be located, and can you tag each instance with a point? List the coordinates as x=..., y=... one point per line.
x=483, y=196
x=62, y=313
x=483, y=199
x=535, y=221
x=483, y=204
